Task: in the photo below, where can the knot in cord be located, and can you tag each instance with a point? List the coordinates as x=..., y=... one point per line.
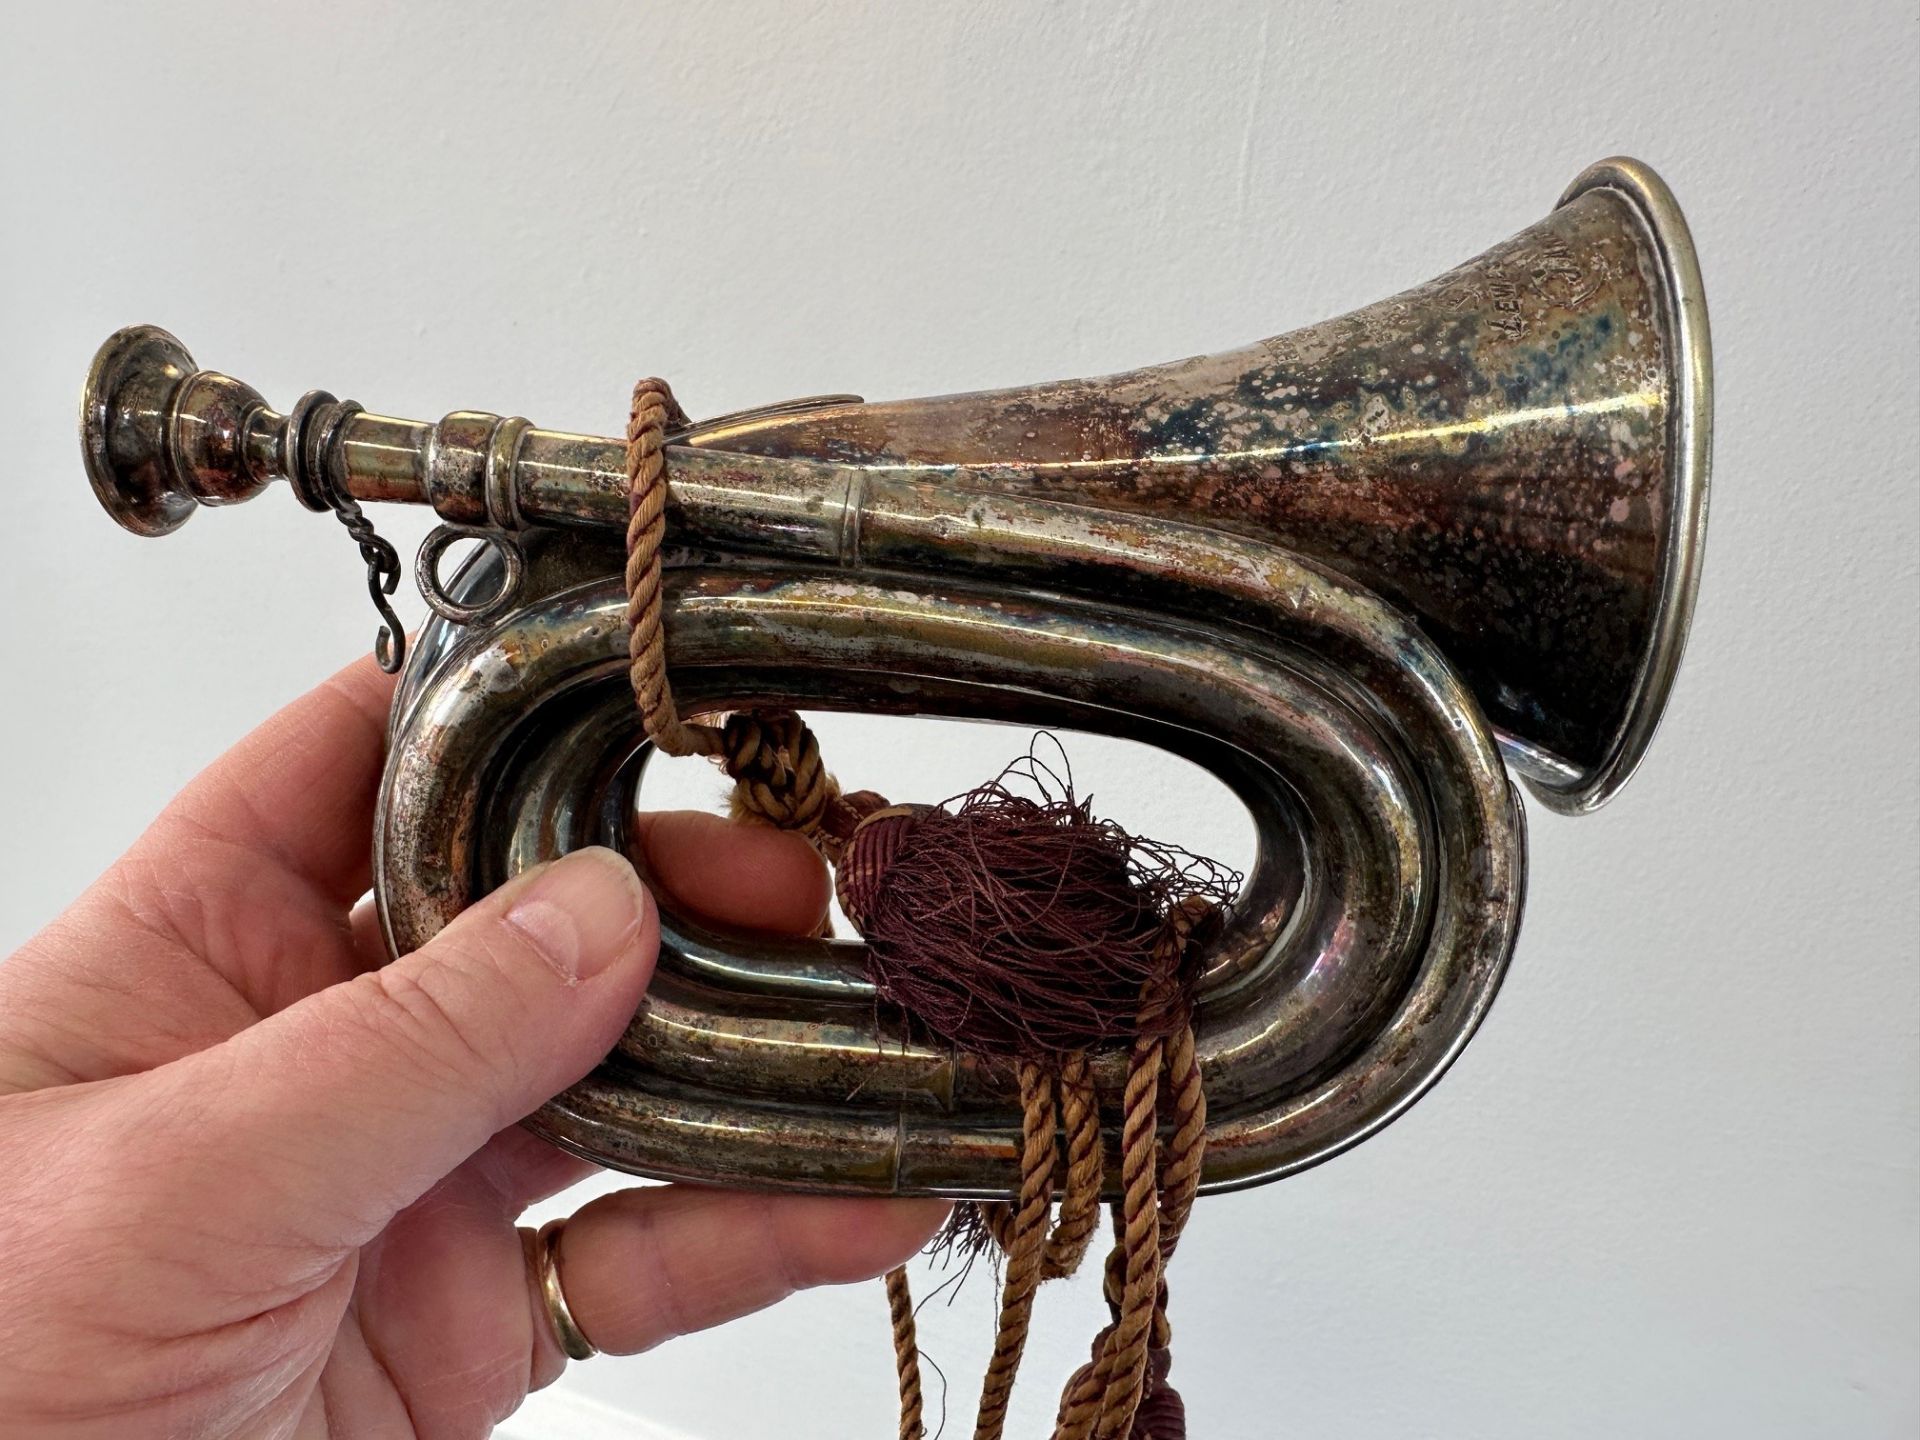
x=779, y=780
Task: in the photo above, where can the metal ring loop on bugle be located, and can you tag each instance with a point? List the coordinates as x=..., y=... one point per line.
x=504, y=521
x=426, y=573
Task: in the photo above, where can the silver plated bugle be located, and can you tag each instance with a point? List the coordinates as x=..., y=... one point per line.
x=1363, y=572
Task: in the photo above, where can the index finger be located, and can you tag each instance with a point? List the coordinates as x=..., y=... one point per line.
x=748, y=876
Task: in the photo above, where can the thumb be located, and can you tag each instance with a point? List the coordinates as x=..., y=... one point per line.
x=346, y=1107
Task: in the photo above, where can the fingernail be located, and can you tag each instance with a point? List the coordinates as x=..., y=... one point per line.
x=582, y=912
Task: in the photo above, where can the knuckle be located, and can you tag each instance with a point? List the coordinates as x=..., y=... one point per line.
x=418, y=1011
x=784, y=1253
x=654, y=1272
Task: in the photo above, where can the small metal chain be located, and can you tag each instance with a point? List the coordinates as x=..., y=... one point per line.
x=383, y=578
x=311, y=460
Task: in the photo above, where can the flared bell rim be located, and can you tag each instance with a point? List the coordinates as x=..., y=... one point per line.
x=1578, y=790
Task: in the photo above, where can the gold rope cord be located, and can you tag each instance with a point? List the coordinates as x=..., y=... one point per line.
x=779, y=779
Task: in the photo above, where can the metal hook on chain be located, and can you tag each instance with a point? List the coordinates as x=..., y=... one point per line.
x=312, y=462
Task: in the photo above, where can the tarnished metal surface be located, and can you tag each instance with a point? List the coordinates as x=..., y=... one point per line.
x=1496, y=451
x=1516, y=452
x=1337, y=568
x=1375, y=927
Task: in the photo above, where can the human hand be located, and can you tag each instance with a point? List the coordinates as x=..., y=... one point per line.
x=258, y=1182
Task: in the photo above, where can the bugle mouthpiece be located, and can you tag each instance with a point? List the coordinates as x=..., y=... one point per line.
x=162, y=436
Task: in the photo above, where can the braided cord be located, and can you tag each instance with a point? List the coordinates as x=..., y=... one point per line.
x=1080, y=1204
x=771, y=755
x=653, y=412
x=780, y=780
x=906, y=1354
x=1026, y=1254
x=1121, y=1392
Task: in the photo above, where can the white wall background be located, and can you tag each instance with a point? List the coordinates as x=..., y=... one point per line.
x=1670, y=1190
